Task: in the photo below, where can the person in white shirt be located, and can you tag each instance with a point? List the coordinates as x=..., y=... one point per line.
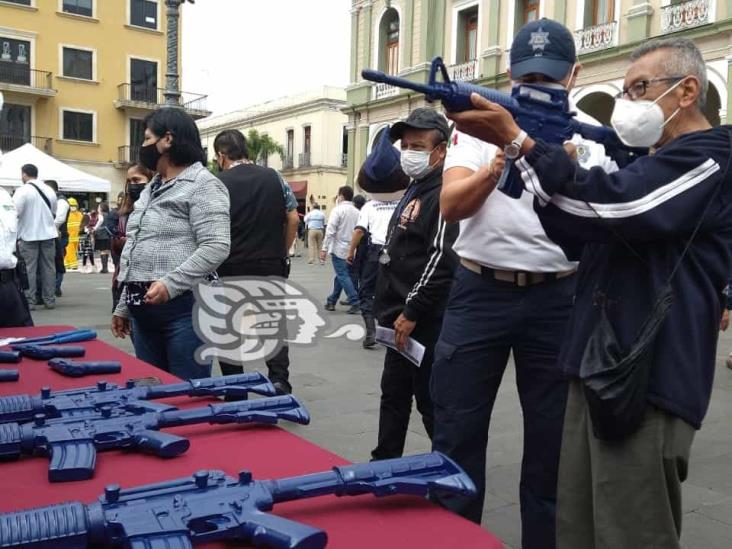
x=12, y=301
x=512, y=294
x=337, y=240
x=315, y=226
x=35, y=203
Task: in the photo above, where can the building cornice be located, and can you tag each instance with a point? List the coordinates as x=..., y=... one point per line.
x=322, y=104
x=639, y=10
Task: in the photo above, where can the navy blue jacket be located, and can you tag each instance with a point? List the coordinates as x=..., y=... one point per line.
x=653, y=204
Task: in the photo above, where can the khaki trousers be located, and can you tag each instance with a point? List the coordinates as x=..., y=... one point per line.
x=315, y=241
x=621, y=495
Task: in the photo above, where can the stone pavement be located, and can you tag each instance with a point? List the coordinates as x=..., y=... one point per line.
x=339, y=382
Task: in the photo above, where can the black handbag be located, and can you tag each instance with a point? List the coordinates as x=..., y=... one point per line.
x=615, y=381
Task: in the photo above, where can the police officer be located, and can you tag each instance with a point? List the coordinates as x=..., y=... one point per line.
x=415, y=273
x=512, y=293
x=12, y=301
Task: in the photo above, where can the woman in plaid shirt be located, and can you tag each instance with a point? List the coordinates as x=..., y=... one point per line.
x=177, y=235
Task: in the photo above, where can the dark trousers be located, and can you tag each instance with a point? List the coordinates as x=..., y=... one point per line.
x=278, y=367
x=39, y=257
x=61, y=243
x=400, y=381
x=13, y=303
x=369, y=269
x=164, y=337
x=484, y=322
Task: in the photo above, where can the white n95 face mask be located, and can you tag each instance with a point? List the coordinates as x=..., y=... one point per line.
x=416, y=164
x=640, y=123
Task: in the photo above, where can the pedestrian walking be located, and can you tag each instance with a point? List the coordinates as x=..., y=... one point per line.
x=338, y=232
x=315, y=226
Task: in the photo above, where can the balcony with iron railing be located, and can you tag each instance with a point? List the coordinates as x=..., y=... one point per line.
x=686, y=15
x=287, y=163
x=11, y=142
x=22, y=79
x=382, y=91
x=464, y=71
x=303, y=160
x=131, y=96
x=344, y=160
x=597, y=37
x=127, y=155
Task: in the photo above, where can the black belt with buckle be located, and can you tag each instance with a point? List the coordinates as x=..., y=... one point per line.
x=518, y=278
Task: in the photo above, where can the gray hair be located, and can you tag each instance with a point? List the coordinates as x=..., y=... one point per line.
x=684, y=59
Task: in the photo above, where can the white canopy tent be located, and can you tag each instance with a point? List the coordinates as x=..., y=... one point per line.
x=69, y=179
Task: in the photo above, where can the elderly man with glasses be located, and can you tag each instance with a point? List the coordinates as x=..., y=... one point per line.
x=655, y=240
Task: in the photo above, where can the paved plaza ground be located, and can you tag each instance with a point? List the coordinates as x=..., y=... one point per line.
x=339, y=383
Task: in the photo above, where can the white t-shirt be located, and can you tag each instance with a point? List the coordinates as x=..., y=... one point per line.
x=506, y=233
x=35, y=220
x=374, y=217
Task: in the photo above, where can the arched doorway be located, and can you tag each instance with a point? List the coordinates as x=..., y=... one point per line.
x=598, y=105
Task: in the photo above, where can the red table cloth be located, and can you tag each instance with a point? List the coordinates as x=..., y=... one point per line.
x=269, y=452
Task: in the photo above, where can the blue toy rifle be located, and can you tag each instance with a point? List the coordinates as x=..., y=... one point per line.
x=72, y=443
x=78, y=369
x=544, y=113
x=71, y=336
x=47, y=352
x=210, y=506
x=85, y=401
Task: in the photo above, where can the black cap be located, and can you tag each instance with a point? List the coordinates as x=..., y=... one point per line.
x=543, y=47
x=422, y=119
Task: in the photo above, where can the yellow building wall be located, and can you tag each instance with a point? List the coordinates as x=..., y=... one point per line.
x=114, y=42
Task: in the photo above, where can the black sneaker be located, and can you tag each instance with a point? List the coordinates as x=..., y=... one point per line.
x=59, y=293
x=354, y=310
x=330, y=307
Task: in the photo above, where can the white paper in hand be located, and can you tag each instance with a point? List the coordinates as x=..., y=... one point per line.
x=414, y=350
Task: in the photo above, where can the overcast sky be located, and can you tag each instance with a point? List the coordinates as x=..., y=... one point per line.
x=241, y=52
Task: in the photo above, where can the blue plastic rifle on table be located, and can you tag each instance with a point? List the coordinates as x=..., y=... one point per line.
x=210, y=506
x=86, y=401
x=72, y=443
x=543, y=112
x=48, y=347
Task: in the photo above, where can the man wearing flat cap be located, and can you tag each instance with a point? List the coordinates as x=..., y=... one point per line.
x=416, y=265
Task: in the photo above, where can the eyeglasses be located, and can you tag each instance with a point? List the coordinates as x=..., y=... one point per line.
x=639, y=89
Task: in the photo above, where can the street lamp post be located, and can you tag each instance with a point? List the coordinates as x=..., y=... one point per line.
x=172, y=80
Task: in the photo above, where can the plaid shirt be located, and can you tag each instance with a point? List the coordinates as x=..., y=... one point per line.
x=178, y=232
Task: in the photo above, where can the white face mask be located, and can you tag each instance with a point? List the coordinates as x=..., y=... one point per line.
x=640, y=123
x=416, y=164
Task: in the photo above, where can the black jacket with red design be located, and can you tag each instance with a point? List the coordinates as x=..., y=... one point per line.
x=418, y=276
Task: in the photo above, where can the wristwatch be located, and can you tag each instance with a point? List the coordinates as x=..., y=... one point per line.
x=513, y=149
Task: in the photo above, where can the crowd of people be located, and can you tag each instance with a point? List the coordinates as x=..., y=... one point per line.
x=604, y=280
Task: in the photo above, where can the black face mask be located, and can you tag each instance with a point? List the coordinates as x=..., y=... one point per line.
x=134, y=190
x=149, y=156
